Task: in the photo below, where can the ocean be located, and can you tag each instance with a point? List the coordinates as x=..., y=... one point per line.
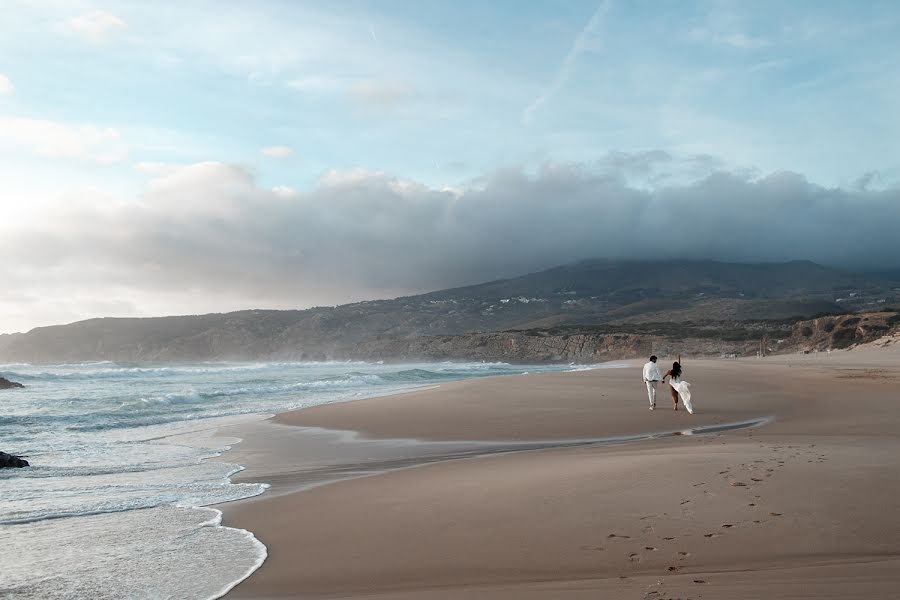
x=115, y=504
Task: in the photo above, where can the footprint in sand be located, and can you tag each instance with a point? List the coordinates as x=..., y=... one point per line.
x=699, y=581
x=727, y=525
x=683, y=554
x=671, y=569
x=616, y=535
x=668, y=539
x=683, y=502
x=634, y=557
x=711, y=535
x=775, y=514
x=755, y=479
x=738, y=484
x=651, y=548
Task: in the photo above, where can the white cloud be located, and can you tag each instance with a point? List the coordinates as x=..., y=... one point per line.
x=347, y=177
x=98, y=26
x=61, y=140
x=6, y=86
x=277, y=151
x=284, y=191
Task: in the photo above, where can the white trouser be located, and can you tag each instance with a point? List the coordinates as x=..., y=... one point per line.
x=651, y=391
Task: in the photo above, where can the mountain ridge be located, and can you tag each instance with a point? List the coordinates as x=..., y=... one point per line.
x=586, y=293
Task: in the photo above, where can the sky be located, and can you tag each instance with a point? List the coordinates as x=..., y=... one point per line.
x=192, y=157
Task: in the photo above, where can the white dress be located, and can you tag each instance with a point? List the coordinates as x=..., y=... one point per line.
x=684, y=391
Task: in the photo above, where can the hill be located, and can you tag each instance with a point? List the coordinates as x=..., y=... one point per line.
x=586, y=294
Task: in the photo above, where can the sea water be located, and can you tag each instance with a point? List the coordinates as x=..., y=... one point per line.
x=113, y=505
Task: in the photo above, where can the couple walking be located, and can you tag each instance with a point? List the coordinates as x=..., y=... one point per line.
x=680, y=389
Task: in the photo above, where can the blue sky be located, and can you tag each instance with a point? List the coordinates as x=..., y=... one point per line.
x=99, y=101
x=440, y=91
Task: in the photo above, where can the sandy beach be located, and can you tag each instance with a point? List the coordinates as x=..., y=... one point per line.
x=802, y=506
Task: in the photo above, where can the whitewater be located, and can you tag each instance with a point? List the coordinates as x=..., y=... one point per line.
x=115, y=504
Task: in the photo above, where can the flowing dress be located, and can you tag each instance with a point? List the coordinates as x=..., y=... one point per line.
x=684, y=392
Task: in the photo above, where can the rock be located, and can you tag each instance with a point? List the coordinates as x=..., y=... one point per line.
x=11, y=460
x=6, y=384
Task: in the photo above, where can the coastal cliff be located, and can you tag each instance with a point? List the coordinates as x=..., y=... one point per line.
x=727, y=339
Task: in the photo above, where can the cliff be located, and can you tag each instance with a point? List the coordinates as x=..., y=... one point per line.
x=843, y=331
x=695, y=340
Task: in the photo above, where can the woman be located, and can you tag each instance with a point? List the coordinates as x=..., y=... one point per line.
x=679, y=388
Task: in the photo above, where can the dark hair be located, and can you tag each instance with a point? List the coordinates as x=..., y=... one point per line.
x=676, y=369
x=653, y=358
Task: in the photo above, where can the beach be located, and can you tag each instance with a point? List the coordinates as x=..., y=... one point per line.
x=528, y=486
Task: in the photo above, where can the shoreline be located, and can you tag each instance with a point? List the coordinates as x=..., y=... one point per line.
x=363, y=537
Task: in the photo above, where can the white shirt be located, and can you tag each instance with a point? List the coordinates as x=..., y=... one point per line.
x=651, y=372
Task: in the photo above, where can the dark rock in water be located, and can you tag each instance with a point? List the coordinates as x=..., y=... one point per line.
x=6, y=384
x=11, y=460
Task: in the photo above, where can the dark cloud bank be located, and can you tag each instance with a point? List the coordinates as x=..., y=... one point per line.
x=210, y=228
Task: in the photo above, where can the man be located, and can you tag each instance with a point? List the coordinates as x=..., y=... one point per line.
x=651, y=378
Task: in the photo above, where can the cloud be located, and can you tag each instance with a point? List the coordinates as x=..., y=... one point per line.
x=62, y=140
x=565, y=70
x=284, y=191
x=6, y=86
x=276, y=151
x=209, y=237
x=377, y=95
x=97, y=27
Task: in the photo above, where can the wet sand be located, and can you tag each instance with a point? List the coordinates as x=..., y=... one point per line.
x=803, y=506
